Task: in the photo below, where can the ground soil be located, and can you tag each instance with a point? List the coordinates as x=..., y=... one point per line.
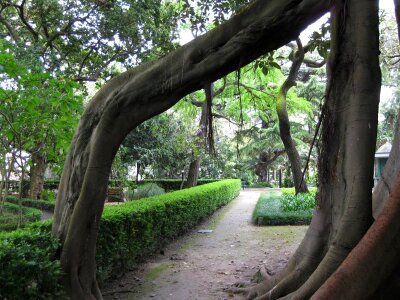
x=201, y=265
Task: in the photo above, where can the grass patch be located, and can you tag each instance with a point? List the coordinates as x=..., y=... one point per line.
x=156, y=271
x=269, y=211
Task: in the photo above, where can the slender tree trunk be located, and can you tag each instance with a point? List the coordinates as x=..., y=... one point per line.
x=141, y=93
x=38, y=170
x=284, y=123
x=194, y=166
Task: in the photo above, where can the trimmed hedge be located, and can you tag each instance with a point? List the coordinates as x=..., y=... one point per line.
x=28, y=215
x=128, y=233
x=39, y=204
x=28, y=269
x=175, y=184
x=269, y=211
x=132, y=231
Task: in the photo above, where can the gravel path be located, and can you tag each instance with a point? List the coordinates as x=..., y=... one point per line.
x=200, y=265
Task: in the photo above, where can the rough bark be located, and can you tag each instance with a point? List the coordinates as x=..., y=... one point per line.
x=141, y=93
x=343, y=211
x=284, y=123
x=37, y=175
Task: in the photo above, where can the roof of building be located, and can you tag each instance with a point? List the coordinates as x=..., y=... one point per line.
x=384, y=150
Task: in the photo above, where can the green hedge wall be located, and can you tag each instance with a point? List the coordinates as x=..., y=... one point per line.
x=132, y=231
x=128, y=233
x=175, y=184
x=28, y=215
x=39, y=204
x=28, y=268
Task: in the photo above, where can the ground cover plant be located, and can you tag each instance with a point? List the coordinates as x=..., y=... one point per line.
x=290, y=201
x=36, y=203
x=271, y=210
x=12, y=216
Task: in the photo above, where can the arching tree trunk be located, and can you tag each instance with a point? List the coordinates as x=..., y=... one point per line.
x=284, y=123
x=142, y=93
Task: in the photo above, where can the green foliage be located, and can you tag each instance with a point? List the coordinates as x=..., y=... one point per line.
x=298, y=202
x=10, y=216
x=303, y=201
x=28, y=269
x=39, y=204
x=269, y=211
x=147, y=190
x=161, y=143
x=39, y=111
x=261, y=185
x=170, y=185
x=48, y=195
x=128, y=234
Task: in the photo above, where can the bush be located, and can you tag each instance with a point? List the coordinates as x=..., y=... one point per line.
x=147, y=190
x=9, y=220
x=269, y=211
x=39, y=204
x=292, y=202
x=48, y=195
x=128, y=233
x=28, y=269
x=175, y=184
x=261, y=185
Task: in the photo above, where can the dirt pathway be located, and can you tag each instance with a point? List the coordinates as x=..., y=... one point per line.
x=200, y=265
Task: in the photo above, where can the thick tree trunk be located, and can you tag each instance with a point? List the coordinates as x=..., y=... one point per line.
x=37, y=175
x=284, y=123
x=142, y=93
x=343, y=211
x=193, y=173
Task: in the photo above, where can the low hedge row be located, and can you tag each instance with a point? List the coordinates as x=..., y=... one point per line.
x=28, y=268
x=28, y=215
x=39, y=204
x=128, y=233
x=175, y=184
x=132, y=231
x=269, y=211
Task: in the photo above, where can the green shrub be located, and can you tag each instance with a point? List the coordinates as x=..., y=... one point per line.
x=39, y=204
x=292, y=191
x=10, y=219
x=132, y=231
x=175, y=184
x=128, y=233
x=28, y=269
x=269, y=211
x=292, y=202
x=147, y=190
x=261, y=185
x=48, y=195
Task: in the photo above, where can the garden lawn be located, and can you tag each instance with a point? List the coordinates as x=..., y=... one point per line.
x=269, y=210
